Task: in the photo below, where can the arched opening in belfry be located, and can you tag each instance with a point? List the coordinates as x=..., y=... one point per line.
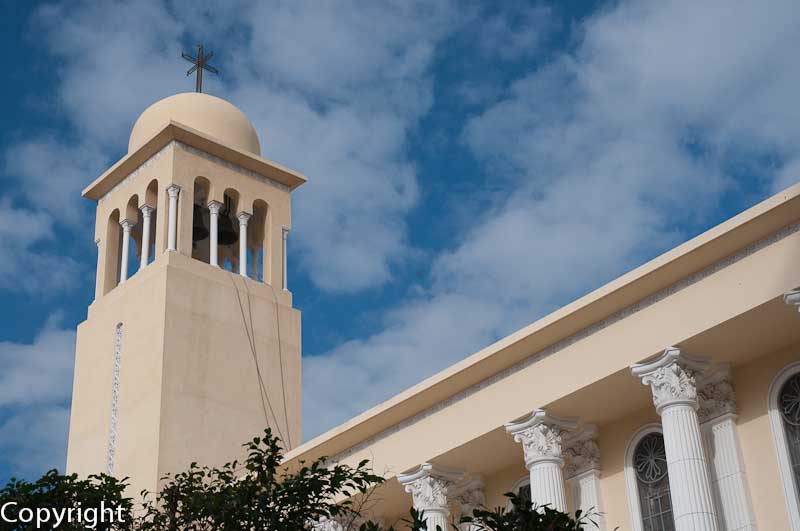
x=113, y=252
x=134, y=250
x=229, y=231
x=151, y=200
x=201, y=220
x=257, y=241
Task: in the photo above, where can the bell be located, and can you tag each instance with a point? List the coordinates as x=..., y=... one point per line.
x=226, y=233
x=199, y=228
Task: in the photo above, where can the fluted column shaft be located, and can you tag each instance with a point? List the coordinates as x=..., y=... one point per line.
x=688, y=471
x=547, y=483
x=672, y=381
x=172, y=221
x=727, y=475
x=586, y=496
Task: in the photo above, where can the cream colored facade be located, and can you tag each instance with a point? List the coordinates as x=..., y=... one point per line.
x=718, y=314
x=183, y=361
x=693, y=346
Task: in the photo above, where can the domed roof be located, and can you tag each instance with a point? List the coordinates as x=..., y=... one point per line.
x=208, y=114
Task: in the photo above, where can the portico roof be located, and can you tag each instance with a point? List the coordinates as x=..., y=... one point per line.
x=653, y=279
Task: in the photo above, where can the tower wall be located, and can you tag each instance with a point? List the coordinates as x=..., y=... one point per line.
x=185, y=361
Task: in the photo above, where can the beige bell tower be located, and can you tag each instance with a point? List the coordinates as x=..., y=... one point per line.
x=191, y=346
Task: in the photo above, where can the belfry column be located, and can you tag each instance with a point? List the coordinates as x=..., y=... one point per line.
x=213, y=208
x=672, y=380
x=285, y=279
x=147, y=211
x=430, y=487
x=717, y=416
x=541, y=436
x=243, y=217
x=583, y=473
x=172, y=234
x=127, y=225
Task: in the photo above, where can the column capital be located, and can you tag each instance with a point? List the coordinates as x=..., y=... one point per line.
x=430, y=486
x=215, y=206
x=173, y=190
x=583, y=451
x=127, y=224
x=285, y=233
x=243, y=217
x=541, y=436
x=146, y=210
x=672, y=378
x=469, y=494
x=715, y=393
x=792, y=298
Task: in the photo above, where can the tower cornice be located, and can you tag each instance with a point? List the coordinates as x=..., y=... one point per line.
x=183, y=134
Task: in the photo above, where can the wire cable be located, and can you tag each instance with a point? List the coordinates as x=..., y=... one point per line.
x=251, y=340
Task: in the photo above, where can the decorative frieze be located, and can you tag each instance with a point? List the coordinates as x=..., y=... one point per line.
x=112, y=424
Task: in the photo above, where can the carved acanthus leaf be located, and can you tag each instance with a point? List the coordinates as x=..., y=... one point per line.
x=429, y=492
x=583, y=455
x=672, y=383
x=716, y=398
x=541, y=441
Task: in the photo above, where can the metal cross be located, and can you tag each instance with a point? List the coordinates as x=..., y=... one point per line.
x=200, y=64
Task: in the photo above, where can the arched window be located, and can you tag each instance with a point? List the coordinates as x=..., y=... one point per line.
x=784, y=412
x=648, y=481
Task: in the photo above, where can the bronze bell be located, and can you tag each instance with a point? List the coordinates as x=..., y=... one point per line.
x=199, y=227
x=226, y=230
x=226, y=234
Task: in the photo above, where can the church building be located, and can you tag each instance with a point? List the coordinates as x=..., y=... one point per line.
x=667, y=399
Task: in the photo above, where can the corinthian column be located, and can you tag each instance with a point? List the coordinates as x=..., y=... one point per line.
x=541, y=436
x=672, y=380
x=430, y=487
x=717, y=415
x=583, y=474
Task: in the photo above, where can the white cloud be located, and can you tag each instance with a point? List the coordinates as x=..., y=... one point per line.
x=27, y=259
x=35, y=388
x=333, y=91
x=605, y=151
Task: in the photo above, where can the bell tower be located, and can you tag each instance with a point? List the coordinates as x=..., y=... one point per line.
x=191, y=346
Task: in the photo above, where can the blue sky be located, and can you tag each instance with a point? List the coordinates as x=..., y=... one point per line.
x=472, y=165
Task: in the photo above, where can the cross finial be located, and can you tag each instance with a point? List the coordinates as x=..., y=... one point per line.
x=200, y=63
